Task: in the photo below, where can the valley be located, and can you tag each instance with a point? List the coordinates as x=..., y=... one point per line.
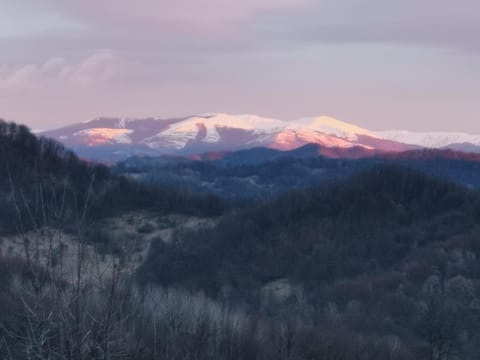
x=239, y=180
x=257, y=253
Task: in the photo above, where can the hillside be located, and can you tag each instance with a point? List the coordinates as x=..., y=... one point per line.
x=329, y=259
x=117, y=139
x=372, y=254
x=114, y=139
x=261, y=173
x=46, y=184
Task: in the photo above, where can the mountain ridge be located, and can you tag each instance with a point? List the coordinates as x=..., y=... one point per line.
x=119, y=138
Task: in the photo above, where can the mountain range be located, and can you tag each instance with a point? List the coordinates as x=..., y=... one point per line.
x=354, y=259
x=119, y=138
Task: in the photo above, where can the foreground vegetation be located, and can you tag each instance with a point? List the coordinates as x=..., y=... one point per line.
x=390, y=251
x=114, y=319
x=383, y=265
x=45, y=184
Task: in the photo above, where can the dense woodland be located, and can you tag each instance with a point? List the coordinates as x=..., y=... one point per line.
x=379, y=262
x=389, y=251
x=261, y=173
x=43, y=183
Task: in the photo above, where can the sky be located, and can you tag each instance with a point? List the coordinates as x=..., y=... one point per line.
x=381, y=64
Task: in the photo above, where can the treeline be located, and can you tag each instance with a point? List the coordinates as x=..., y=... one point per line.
x=43, y=183
x=256, y=174
x=383, y=265
x=389, y=251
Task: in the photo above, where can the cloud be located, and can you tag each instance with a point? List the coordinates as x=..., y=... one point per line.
x=442, y=23
x=222, y=25
x=180, y=17
x=98, y=68
x=437, y=22
x=269, y=56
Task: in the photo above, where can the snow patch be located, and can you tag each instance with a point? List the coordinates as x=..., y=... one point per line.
x=179, y=134
x=331, y=126
x=430, y=139
x=101, y=136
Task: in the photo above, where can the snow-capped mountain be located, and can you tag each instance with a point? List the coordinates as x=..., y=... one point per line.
x=454, y=140
x=107, y=137
x=333, y=126
x=218, y=130
x=111, y=138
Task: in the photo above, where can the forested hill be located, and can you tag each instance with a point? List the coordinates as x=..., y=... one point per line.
x=372, y=221
x=264, y=173
x=379, y=265
x=43, y=183
x=375, y=250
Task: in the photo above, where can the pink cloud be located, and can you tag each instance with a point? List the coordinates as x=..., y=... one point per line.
x=275, y=57
x=97, y=68
x=177, y=16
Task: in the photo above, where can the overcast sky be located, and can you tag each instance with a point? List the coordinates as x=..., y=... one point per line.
x=382, y=64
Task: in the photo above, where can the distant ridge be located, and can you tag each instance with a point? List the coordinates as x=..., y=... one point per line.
x=112, y=139
x=262, y=154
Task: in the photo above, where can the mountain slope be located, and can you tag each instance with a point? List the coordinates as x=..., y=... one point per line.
x=117, y=138
x=366, y=205
x=44, y=184
x=452, y=140
x=261, y=173
x=333, y=126
x=389, y=251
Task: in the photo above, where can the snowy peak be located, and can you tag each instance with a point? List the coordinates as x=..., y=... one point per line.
x=103, y=136
x=244, y=122
x=105, y=122
x=217, y=132
x=292, y=138
x=211, y=129
x=331, y=126
x=222, y=132
x=431, y=139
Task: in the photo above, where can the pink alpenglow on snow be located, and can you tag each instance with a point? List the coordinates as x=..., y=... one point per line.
x=387, y=64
